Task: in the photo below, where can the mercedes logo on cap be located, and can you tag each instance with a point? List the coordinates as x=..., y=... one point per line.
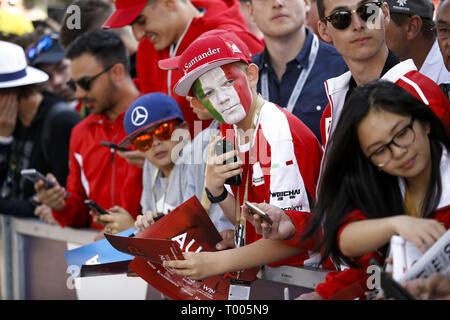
x=139, y=116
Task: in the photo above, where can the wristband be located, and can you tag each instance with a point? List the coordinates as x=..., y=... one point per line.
x=217, y=199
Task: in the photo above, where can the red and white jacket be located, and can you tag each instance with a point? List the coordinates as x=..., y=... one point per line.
x=98, y=173
x=405, y=75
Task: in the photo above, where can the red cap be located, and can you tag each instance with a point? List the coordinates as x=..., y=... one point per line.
x=212, y=49
x=126, y=12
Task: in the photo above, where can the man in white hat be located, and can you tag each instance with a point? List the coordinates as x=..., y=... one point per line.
x=35, y=129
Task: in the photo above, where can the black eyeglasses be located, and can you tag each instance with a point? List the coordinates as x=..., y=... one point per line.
x=85, y=83
x=342, y=18
x=403, y=139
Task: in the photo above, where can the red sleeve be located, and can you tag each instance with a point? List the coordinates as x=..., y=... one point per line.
x=75, y=213
x=300, y=220
x=427, y=89
x=343, y=285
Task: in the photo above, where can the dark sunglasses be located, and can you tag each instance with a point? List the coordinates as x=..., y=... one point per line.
x=85, y=83
x=163, y=132
x=342, y=18
x=44, y=44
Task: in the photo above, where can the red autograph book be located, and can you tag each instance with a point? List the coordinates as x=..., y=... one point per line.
x=186, y=228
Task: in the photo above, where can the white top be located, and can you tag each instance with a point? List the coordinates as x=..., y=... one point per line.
x=434, y=67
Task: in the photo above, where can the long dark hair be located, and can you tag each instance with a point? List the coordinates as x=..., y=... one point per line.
x=350, y=181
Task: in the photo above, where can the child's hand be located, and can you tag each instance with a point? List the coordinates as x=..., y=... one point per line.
x=196, y=266
x=217, y=172
x=144, y=221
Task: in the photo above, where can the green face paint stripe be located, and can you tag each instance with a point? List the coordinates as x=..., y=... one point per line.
x=197, y=88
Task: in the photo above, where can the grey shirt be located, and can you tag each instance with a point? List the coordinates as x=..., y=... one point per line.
x=162, y=194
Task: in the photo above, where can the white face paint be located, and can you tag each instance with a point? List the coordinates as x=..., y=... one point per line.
x=222, y=95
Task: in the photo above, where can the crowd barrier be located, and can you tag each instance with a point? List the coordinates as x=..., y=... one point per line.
x=33, y=267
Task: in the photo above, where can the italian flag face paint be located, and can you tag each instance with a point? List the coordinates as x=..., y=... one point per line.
x=225, y=92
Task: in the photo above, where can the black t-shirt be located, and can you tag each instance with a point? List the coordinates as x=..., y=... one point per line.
x=391, y=61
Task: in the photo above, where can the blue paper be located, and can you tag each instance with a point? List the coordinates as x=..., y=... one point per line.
x=98, y=252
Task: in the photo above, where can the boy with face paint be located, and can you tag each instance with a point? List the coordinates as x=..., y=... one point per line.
x=279, y=157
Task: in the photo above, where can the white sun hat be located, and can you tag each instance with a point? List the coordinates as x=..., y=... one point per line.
x=14, y=71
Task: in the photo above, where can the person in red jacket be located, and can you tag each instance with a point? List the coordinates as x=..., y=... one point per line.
x=99, y=71
x=165, y=28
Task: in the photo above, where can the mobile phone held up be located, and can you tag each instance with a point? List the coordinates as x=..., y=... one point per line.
x=224, y=146
x=255, y=210
x=113, y=146
x=34, y=176
x=94, y=206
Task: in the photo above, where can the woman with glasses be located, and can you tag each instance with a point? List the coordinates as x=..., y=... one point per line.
x=387, y=173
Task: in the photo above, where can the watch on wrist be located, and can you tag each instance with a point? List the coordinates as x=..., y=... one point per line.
x=217, y=199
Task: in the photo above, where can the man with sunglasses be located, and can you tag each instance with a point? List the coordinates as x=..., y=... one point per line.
x=100, y=77
x=294, y=63
x=411, y=34
x=165, y=28
x=357, y=30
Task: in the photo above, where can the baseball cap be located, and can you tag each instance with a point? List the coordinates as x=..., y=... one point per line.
x=147, y=112
x=14, y=71
x=126, y=12
x=46, y=50
x=422, y=8
x=212, y=49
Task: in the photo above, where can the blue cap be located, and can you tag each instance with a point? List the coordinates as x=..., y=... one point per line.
x=147, y=112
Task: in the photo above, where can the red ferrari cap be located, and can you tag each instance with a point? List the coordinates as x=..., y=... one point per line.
x=210, y=50
x=126, y=12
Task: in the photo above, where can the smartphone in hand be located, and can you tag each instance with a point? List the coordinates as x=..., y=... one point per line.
x=34, y=176
x=255, y=210
x=224, y=146
x=94, y=206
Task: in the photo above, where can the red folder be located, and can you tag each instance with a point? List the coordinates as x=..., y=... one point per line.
x=186, y=228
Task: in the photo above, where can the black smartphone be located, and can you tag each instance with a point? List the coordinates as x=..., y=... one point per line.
x=255, y=210
x=94, y=206
x=224, y=146
x=113, y=146
x=34, y=176
x=392, y=289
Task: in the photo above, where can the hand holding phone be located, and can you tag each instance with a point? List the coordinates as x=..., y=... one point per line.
x=255, y=210
x=34, y=176
x=94, y=206
x=223, y=146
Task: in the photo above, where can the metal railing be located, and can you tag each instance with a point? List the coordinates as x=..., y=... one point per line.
x=18, y=236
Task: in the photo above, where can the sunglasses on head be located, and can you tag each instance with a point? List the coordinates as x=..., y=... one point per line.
x=163, y=132
x=44, y=44
x=342, y=18
x=85, y=83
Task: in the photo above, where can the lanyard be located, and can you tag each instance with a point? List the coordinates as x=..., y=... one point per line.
x=300, y=81
x=240, y=219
